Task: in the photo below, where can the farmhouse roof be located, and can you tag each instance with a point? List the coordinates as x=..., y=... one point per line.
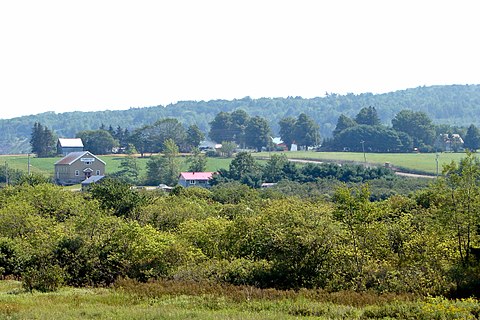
x=70, y=142
x=196, y=175
x=74, y=156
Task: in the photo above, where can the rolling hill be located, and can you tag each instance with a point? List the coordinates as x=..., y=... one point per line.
x=453, y=104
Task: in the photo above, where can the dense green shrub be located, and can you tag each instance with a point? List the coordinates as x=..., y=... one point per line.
x=43, y=278
x=9, y=259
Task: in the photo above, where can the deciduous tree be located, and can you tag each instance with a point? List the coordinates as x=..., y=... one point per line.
x=287, y=131
x=194, y=136
x=306, y=132
x=417, y=125
x=257, y=133
x=343, y=123
x=221, y=128
x=97, y=141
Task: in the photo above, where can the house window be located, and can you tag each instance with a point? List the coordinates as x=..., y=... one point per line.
x=97, y=172
x=77, y=173
x=88, y=162
x=192, y=181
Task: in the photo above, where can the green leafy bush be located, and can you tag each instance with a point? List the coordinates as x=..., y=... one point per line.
x=43, y=278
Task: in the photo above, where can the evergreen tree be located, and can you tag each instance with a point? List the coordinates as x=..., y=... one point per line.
x=155, y=166
x=368, y=116
x=273, y=170
x=343, y=123
x=472, y=138
x=129, y=170
x=197, y=161
x=42, y=141
x=36, y=138
x=111, y=130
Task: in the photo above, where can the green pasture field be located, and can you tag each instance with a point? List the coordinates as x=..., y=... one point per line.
x=156, y=301
x=421, y=162
x=45, y=166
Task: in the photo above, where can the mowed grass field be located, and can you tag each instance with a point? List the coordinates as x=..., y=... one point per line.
x=45, y=166
x=421, y=162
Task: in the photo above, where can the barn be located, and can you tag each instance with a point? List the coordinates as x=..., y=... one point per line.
x=75, y=167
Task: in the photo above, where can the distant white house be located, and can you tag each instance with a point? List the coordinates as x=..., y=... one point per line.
x=451, y=142
x=279, y=144
x=67, y=145
x=209, y=145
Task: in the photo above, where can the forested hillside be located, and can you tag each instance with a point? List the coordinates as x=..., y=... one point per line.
x=455, y=104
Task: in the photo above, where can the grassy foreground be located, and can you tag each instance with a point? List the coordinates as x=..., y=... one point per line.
x=170, y=300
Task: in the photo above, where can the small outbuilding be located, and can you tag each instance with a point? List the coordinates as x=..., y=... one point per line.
x=195, y=179
x=87, y=183
x=77, y=167
x=67, y=145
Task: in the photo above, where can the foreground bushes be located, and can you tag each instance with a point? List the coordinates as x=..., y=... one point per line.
x=50, y=237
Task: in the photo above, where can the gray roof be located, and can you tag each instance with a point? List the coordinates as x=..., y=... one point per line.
x=92, y=179
x=74, y=156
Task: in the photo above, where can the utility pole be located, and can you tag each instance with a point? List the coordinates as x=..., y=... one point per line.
x=6, y=173
x=363, y=149
x=436, y=160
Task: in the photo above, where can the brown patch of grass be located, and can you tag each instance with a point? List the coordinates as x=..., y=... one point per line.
x=160, y=288
x=9, y=309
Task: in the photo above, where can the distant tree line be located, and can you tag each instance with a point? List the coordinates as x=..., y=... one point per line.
x=446, y=105
x=410, y=130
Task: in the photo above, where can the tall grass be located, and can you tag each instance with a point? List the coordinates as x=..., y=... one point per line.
x=128, y=299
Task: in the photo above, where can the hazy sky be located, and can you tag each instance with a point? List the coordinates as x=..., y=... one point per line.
x=97, y=55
